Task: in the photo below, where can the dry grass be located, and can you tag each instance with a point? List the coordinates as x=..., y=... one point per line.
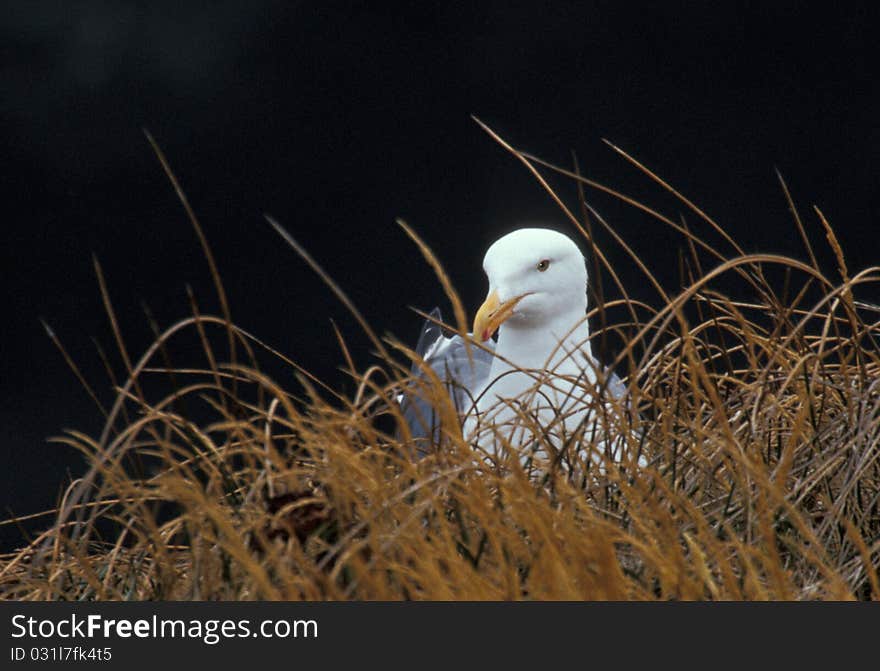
x=760, y=420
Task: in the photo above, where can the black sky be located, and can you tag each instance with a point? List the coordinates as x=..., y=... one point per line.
x=339, y=117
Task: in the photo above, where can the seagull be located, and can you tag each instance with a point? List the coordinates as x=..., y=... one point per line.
x=538, y=391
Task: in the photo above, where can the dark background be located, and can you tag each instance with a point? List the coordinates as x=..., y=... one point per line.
x=339, y=117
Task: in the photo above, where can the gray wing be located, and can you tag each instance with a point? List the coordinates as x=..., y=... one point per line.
x=609, y=384
x=463, y=376
x=614, y=386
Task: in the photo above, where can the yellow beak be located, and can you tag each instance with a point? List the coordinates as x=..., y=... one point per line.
x=492, y=314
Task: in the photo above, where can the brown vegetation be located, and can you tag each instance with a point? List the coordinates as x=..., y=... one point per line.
x=759, y=418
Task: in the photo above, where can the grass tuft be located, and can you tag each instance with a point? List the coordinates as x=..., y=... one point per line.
x=758, y=418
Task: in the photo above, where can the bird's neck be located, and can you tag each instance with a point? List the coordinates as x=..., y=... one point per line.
x=530, y=345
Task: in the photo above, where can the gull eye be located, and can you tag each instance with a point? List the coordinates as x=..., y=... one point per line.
x=542, y=265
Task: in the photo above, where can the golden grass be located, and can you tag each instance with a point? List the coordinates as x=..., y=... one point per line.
x=759, y=418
